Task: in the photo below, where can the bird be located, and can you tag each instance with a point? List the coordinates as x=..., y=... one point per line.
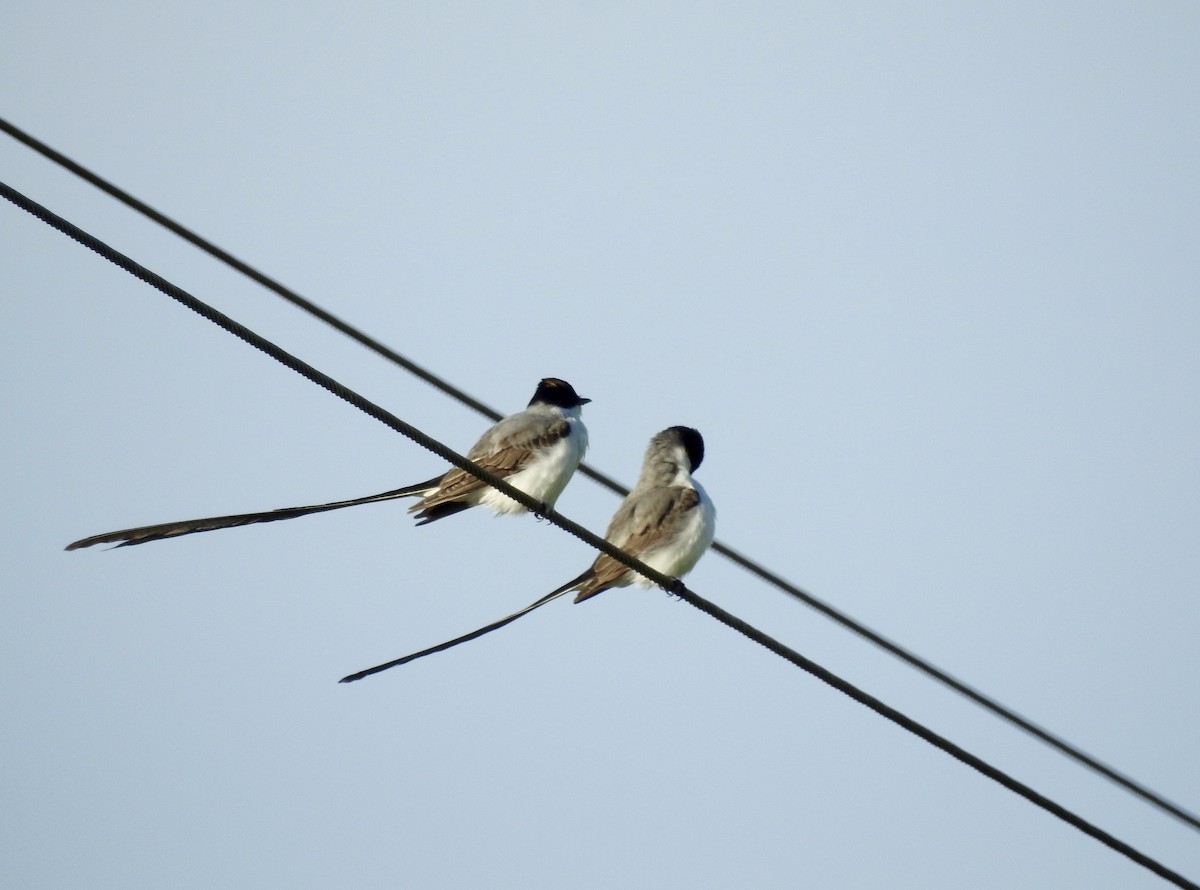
x=667, y=521
x=535, y=450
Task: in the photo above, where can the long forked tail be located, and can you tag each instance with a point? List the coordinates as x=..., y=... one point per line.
x=475, y=634
x=130, y=536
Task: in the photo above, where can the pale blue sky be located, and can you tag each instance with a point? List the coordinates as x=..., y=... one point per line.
x=925, y=276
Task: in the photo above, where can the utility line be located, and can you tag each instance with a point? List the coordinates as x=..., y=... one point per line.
x=672, y=585
x=912, y=659
x=895, y=649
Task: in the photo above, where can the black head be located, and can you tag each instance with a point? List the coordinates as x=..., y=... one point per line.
x=552, y=391
x=692, y=442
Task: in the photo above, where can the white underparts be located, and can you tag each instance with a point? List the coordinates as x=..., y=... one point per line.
x=545, y=477
x=679, y=555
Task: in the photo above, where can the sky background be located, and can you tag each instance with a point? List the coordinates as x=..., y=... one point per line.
x=926, y=278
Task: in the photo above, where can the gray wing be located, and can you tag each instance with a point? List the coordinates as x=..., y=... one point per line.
x=505, y=449
x=642, y=522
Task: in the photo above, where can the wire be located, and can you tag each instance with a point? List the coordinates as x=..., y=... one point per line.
x=249, y=271
x=328, y=383
x=984, y=701
x=672, y=585
x=826, y=609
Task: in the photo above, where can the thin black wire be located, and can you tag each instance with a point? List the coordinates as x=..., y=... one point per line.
x=672, y=585
x=829, y=611
x=249, y=271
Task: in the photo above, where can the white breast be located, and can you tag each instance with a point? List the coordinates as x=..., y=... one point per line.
x=679, y=556
x=548, y=474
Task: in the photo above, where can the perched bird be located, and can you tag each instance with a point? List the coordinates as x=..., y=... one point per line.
x=667, y=522
x=535, y=450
